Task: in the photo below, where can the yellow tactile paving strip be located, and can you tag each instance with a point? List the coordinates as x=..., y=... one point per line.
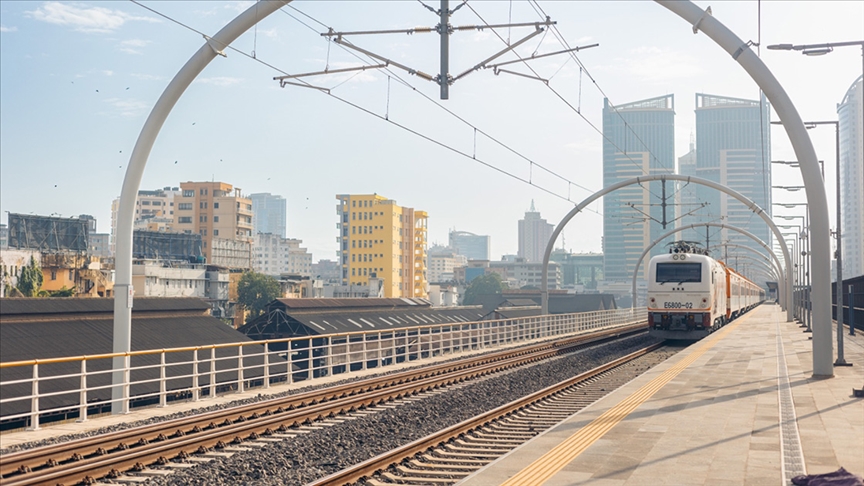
x=557, y=459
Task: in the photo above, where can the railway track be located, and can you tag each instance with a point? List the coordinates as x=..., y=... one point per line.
x=109, y=455
x=450, y=455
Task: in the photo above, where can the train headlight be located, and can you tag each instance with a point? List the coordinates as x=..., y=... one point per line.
x=675, y=256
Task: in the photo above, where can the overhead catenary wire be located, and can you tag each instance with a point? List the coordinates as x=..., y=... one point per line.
x=376, y=115
x=440, y=106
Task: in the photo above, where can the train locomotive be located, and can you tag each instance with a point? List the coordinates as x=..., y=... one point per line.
x=690, y=294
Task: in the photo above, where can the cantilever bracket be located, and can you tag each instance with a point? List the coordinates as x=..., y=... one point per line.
x=212, y=44
x=698, y=22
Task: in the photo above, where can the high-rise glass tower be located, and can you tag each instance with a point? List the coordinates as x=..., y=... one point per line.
x=849, y=113
x=473, y=247
x=268, y=213
x=639, y=139
x=733, y=148
x=534, y=234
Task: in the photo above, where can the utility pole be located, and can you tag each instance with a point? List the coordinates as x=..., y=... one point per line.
x=444, y=31
x=663, y=203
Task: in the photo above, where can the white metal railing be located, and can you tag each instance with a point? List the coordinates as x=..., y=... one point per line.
x=157, y=376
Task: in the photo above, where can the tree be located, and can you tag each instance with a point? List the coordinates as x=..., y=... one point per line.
x=30, y=279
x=489, y=283
x=256, y=290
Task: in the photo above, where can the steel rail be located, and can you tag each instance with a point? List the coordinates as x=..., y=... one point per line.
x=369, y=467
x=70, y=461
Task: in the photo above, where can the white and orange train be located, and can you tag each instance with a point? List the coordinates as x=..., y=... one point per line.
x=692, y=295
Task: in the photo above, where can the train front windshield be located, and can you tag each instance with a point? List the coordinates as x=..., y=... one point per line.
x=679, y=272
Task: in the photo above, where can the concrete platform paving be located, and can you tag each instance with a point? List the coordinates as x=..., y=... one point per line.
x=721, y=420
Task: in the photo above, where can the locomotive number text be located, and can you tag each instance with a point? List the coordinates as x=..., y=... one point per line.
x=678, y=305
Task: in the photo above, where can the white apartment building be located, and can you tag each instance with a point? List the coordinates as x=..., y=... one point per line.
x=154, y=278
x=441, y=262
x=154, y=211
x=274, y=255
x=849, y=113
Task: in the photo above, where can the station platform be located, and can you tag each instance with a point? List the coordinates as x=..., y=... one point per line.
x=739, y=407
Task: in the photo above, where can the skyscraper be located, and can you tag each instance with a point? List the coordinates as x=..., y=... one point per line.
x=639, y=139
x=268, y=213
x=380, y=239
x=849, y=113
x=534, y=234
x=221, y=215
x=473, y=247
x=733, y=149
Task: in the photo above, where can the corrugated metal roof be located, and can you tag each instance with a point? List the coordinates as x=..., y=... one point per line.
x=71, y=305
x=349, y=303
x=75, y=336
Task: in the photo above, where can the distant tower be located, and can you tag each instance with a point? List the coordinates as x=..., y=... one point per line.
x=534, y=235
x=734, y=149
x=268, y=213
x=639, y=139
x=849, y=113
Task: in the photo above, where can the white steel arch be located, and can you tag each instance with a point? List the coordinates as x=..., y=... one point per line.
x=662, y=177
x=712, y=225
x=702, y=20
x=212, y=47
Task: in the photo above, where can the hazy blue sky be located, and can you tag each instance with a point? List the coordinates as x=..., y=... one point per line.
x=77, y=81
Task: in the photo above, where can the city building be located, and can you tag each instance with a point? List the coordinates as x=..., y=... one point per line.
x=12, y=260
x=154, y=211
x=380, y=239
x=327, y=271
x=534, y=234
x=274, y=255
x=638, y=139
x=441, y=262
x=849, y=114
x=733, y=149
x=579, y=271
x=4, y=236
x=269, y=214
x=99, y=245
x=473, y=247
x=221, y=215
x=517, y=275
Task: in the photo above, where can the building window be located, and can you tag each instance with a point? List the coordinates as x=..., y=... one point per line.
x=202, y=218
x=202, y=205
x=215, y=205
x=188, y=193
x=215, y=232
x=184, y=206
x=71, y=274
x=184, y=219
x=53, y=274
x=203, y=232
x=215, y=219
x=203, y=192
x=145, y=203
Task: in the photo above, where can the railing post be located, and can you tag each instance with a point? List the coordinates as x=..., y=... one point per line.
x=163, y=385
x=266, y=364
x=213, y=372
x=127, y=374
x=365, y=349
x=195, y=392
x=240, y=385
x=82, y=397
x=34, y=399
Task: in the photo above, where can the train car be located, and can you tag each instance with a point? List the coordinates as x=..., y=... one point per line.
x=691, y=295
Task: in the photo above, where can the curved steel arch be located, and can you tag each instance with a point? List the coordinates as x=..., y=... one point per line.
x=698, y=225
x=662, y=177
x=814, y=186
x=764, y=257
x=212, y=47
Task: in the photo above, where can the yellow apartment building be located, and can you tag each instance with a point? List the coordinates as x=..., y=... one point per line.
x=215, y=210
x=379, y=238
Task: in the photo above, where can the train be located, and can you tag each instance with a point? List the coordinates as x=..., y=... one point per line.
x=691, y=295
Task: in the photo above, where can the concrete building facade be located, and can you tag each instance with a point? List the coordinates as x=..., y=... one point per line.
x=534, y=235
x=380, y=239
x=215, y=210
x=154, y=211
x=269, y=214
x=274, y=255
x=473, y=247
x=849, y=114
x=733, y=148
x=441, y=262
x=638, y=139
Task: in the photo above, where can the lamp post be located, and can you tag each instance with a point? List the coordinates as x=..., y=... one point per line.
x=805, y=230
x=804, y=269
x=796, y=272
x=818, y=50
x=794, y=163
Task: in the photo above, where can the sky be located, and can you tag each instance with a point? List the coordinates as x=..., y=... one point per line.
x=78, y=79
